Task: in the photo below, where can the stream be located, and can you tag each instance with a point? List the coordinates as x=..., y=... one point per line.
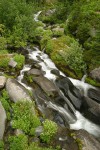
x=42, y=59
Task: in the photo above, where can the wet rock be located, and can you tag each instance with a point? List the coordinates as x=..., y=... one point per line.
x=16, y=91
x=12, y=63
x=55, y=72
x=94, y=94
x=2, y=81
x=46, y=85
x=95, y=74
x=35, y=72
x=2, y=120
x=87, y=141
x=91, y=110
x=70, y=91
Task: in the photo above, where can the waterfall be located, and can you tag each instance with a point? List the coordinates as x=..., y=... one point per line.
x=47, y=66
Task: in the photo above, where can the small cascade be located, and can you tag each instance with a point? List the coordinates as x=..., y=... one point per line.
x=83, y=78
x=36, y=16
x=21, y=76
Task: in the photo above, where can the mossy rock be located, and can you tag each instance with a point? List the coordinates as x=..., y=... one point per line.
x=92, y=82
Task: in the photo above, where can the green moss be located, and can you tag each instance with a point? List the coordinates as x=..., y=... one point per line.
x=92, y=82
x=5, y=102
x=1, y=145
x=50, y=129
x=20, y=59
x=24, y=117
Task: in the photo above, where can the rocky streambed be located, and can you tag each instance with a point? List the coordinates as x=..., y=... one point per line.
x=72, y=104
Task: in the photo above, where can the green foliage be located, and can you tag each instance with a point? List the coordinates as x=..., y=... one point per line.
x=74, y=57
x=24, y=117
x=20, y=59
x=4, y=60
x=5, y=102
x=19, y=142
x=50, y=129
x=1, y=145
x=17, y=17
x=2, y=43
x=49, y=46
x=34, y=146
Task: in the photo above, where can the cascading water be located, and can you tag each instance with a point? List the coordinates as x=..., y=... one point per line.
x=47, y=66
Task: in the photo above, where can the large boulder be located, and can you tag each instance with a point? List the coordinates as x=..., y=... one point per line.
x=86, y=140
x=16, y=91
x=95, y=74
x=2, y=81
x=70, y=91
x=46, y=85
x=94, y=94
x=2, y=120
x=91, y=110
x=34, y=71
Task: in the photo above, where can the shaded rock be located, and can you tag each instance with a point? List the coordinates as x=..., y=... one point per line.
x=70, y=91
x=63, y=139
x=95, y=74
x=2, y=120
x=2, y=81
x=12, y=63
x=91, y=110
x=46, y=85
x=50, y=12
x=55, y=72
x=87, y=140
x=35, y=72
x=94, y=94
x=16, y=91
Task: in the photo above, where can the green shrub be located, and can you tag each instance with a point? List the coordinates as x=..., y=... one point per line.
x=50, y=129
x=20, y=59
x=2, y=43
x=19, y=142
x=5, y=102
x=1, y=145
x=24, y=118
x=4, y=60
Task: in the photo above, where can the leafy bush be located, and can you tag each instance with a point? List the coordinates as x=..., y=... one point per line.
x=1, y=145
x=5, y=102
x=24, y=117
x=50, y=129
x=19, y=142
x=20, y=59
x=4, y=60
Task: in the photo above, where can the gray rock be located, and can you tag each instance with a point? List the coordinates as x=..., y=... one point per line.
x=16, y=91
x=12, y=63
x=87, y=140
x=91, y=110
x=94, y=94
x=18, y=132
x=46, y=85
x=2, y=81
x=38, y=130
x=95, y=74
x=2, y=120
x=34, y=72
